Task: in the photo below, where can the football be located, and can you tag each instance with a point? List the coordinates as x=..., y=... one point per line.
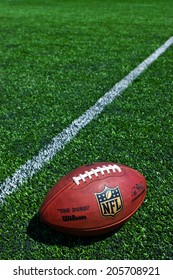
x=94, y=199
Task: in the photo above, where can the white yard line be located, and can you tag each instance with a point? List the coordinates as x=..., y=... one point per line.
x=46, y=154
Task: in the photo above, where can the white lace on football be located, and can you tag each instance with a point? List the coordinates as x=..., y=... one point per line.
x=102, y=170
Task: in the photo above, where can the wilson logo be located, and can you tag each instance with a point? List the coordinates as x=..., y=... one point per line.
x=109, y=201
x=73, y=218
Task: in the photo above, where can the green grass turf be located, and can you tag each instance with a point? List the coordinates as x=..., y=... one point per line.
x=57, y=58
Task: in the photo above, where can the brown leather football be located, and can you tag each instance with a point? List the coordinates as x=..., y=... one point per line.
x=94, y=199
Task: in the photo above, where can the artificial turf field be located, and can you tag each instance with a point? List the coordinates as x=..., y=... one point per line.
x=57, y=58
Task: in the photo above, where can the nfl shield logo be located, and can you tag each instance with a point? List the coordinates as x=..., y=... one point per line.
x=110, y=201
